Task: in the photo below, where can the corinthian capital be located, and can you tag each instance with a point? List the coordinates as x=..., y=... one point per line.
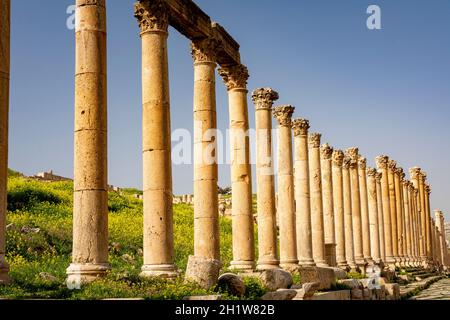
x=392, y=165
x=283, y=114
x=263, y=98
x=234, y=77
x=428, y=188
x=326, y=151
x=338, y=158
x=362, y=163
x=205, y=50
x=314, y=140
x=152, y=15
x=415, y=172
x=353, y=154
x=371, y=172
x=300, y=127
x=346, y=163
x=382, y=162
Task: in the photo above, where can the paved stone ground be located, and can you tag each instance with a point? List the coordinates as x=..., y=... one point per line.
x=438, y=291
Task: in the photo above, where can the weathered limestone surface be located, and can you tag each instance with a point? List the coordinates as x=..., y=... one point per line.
x=365, y=220
x=326, y=153
x=286, y=203
x=274, y=279
x=235, y=78
x=373, y=215
x=416, y=178
x=399, y=211
x=315, y=178
x=324, y=276
x=407, y=217
x=392, y=165
x=156, y=151
x=378, y=177
x=90, y=206
x=302, y=192
x=5, y=11
x=353, y=154
x=349, y=247
x=206, y=216
x=267, y=242
x=338, y=207
x=203, y=271
x=382, y=164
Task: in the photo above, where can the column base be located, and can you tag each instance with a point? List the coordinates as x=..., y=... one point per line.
x=4, y=270
x=344, y=266
x=268, y=265
x=168, y=271
x=290, y=265
x=242, y=266
x=307, y=263
x=78, y=274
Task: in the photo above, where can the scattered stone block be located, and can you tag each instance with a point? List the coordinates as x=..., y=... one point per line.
x=232, y=284
x=282, y=294
x=333, y=295
x=275, y=279
x=325, y=276
x=307, y=290
x=393, y=290
x=367, y=294
x=357, y=294
x=202, y=271
x=351, y=283
x=339, y=273
x=204, y=298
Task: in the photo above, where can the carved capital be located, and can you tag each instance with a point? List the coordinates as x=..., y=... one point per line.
x=353, y=155
x=264, y=98
x=382, y=162
x=378, y=176
x=338, y=158
x=314, y=140
x=300, y=127
x=371, y=172
x=234, y=77
x=415, y=173
x=362, y=163
x=346, y=163
x=326, y=151
x=283, y=114
x=152, y=15
x=392, y=165
x=205, y=50
x=428, y=188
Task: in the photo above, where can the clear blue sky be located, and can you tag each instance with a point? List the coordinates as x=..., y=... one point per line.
x=385, y=91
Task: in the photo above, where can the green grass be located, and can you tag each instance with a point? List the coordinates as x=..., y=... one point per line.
x=39, y=239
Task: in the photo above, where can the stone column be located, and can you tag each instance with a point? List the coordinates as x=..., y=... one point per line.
x=407, y=216
x=442, y=245
x=382, y=164
x=315, y=178
x=5, y=12
x=418, y=226
x=235, y=78
x=302, y=193
x=416, y=178
x=393, y=203
x=381, y=233
x=347, y=190
x=365, y=219
x=90, y=204
x=206, y=216
x=399, y=212
x=373, y=215
x=429, y=230
x=414, y=234
x=153, y=22
x=338, y=208
x=286, y=203
x=353, y=154
x=326, y=153
x=267, y=232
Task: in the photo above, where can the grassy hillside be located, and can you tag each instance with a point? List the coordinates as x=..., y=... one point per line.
x=39, y=245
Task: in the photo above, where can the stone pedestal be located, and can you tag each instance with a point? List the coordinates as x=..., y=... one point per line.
x=156, y=151
x=90, y=205
x=5, y=11
x=206, y=216
x=235, y=78
x=378, y=177
x=373, y=215
x=302, y=193
x=267, y=233
x=286, y=204
x=365, y=219
x=326, y=153
x=315, y=179
x=338, y=208
x=353, y=154
x=349, y=243
x=382, y=164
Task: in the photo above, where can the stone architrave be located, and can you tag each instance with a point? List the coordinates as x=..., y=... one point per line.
x=315, y=179
x=267, y=234
x=286, y=202
x=90, y=204
x=158, y=250
x=235, y=78
x=302, y=193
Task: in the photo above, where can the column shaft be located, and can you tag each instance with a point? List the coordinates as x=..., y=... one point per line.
x=156, y=146
x=429, y=230
x=5, y=12
x=393, y=208
x=302, y=193
x=90, y=205
x=365, y=219
x=380, y=217
x=235, y=78
x=399, y=212
x=373, y=215
x=267, y=233
x=349, y=243
x=407, y=211
x=442, y=245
